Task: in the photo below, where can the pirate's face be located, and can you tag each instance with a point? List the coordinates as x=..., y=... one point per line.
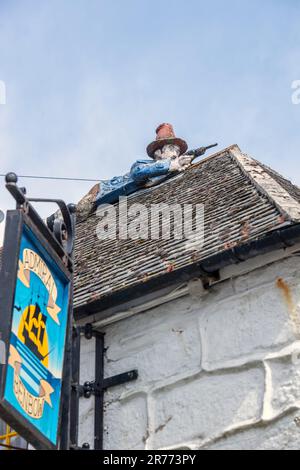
x=167, y=151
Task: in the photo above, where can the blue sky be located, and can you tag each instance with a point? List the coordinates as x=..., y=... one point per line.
x=87, y=82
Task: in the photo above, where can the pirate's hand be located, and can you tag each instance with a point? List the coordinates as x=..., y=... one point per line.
x=181, y=163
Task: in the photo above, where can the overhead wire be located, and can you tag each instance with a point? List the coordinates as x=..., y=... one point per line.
x=63, y=178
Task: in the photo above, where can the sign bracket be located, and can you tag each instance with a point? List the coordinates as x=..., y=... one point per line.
x=96, y=387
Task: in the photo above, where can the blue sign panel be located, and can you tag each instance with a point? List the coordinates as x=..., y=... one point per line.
x=37, y=338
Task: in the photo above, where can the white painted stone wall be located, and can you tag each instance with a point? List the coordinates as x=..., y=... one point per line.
x=220, y=372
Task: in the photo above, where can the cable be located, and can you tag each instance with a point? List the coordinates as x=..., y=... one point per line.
x=54, y=178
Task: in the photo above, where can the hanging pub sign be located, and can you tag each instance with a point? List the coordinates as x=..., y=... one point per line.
x=35, y=290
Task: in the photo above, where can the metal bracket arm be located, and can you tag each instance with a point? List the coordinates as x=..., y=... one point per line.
x=92, y=388
x=59, y=232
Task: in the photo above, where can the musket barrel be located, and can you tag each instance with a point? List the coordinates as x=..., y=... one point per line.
x=201, y=151
x=211, y=146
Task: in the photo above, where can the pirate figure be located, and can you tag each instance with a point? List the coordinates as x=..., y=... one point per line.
x=168, y=156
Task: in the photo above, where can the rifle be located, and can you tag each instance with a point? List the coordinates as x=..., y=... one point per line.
x=198, y=152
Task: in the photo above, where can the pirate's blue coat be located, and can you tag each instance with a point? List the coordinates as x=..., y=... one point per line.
x=141, y=172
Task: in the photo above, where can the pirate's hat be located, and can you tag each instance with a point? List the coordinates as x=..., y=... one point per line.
x=165, y=135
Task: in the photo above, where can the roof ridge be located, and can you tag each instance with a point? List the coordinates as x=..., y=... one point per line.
x=217, y=154
x=266, y=184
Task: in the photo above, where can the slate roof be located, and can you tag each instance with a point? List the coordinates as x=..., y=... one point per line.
x=243, y=200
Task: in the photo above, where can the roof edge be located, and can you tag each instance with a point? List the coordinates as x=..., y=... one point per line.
x=266, y=185
x=233, y=147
